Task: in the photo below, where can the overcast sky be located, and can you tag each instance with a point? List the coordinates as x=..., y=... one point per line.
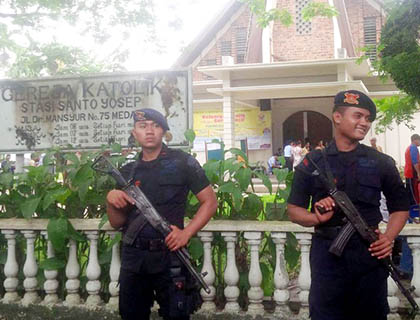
x=178, y=23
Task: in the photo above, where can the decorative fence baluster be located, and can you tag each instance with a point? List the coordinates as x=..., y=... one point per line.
x=281, y=278
x=51, y=283
x=114, y=274
x=414, y=244
x=30, y=269
x=93, y=271
x=255, y=293
x=231, y=274
x=208, y=298
x=72, y=274
x=393, y=300
x=304, y=278
x=230, y=231
x=11, y=268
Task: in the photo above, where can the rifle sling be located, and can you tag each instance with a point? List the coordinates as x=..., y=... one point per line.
x=139, y=221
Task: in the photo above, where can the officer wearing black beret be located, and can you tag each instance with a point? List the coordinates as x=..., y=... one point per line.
x=149, y=269
x=353, y=285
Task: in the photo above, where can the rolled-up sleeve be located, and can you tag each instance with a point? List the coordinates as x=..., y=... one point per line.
x=196, y=177
x=300, y=192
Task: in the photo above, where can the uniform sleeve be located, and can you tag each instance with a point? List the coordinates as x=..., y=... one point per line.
x=196, y=177
x=396, y=195
x=300, y=193
x=414, y=154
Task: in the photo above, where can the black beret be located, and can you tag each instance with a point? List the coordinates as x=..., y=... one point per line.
x=354, y=98
x=151, y=114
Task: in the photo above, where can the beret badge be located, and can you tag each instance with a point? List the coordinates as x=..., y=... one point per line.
x=140, y=116
x=351, y=98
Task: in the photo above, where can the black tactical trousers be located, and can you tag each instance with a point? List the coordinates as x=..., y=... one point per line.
x=353, y=286
x=144, y=277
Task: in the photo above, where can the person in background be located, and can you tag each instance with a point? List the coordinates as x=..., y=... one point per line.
x=306, y=149
x=6, y=164
x=287, y=153
x=297, y=153
x=273, y=162
x=374, y=145
x=320, y=145
x=411, y=174
x=412, y=169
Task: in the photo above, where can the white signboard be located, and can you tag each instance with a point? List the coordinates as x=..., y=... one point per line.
x=89, y=111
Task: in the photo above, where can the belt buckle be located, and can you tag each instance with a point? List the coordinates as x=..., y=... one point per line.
x=155, y=244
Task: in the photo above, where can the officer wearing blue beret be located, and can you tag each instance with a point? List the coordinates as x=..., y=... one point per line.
x=149, y=269
x=353, y=285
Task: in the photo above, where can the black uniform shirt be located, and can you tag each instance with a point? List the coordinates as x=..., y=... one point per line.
x=362, y=173
x=166, y=182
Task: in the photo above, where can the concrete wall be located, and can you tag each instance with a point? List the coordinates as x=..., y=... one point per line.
x=394, y=142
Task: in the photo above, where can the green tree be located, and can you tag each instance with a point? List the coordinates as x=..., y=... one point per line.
x=399, y=57
x=23, y=51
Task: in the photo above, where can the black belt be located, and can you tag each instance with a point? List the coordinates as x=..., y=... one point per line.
x=150, y=244
x=328, y=232
x=332, y=232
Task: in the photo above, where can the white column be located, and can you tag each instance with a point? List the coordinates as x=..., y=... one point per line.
x=304, y=278
x=20, y=159
x=255, y=293
x=114, y=274
x=414, y=244
x=72, y=274
x=51, y=283
x=228, y=111
x=208, y=298
x=281, y=278
x=93, y=271
x=231, y=274
x=11, y=268
x=30, y=269
x=228, y=122
x=393, y=300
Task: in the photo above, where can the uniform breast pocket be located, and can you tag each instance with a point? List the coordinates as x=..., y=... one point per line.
x=369, y=187
x=171, y=189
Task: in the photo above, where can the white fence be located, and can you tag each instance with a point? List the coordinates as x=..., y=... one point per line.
x=252, y=231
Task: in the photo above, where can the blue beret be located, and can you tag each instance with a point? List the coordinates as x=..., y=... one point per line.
x=151, y=114
x=354, y=98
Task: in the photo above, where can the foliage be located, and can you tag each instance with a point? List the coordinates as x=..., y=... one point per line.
x=400, y=50
x=398, y=56
x=65, y=187
x=264, y=17
x=23, y=21
x=398, y=109
x=52, y=59
x=232, y=179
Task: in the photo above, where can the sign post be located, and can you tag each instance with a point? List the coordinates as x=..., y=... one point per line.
x=87, y=112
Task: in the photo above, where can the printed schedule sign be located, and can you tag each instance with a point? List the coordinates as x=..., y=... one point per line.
x=89, y=111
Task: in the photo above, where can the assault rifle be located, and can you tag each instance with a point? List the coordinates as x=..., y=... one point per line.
x=356, y=223
x=102, y=164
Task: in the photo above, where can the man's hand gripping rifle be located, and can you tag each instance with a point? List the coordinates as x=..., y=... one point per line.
x=102, y=164
x=356, y=223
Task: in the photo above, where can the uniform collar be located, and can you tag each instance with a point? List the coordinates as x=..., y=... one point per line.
x=332, y=149
x=162, y=155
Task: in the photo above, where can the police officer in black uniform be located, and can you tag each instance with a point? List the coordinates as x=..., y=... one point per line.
x=148, y=267
x=354, y=285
